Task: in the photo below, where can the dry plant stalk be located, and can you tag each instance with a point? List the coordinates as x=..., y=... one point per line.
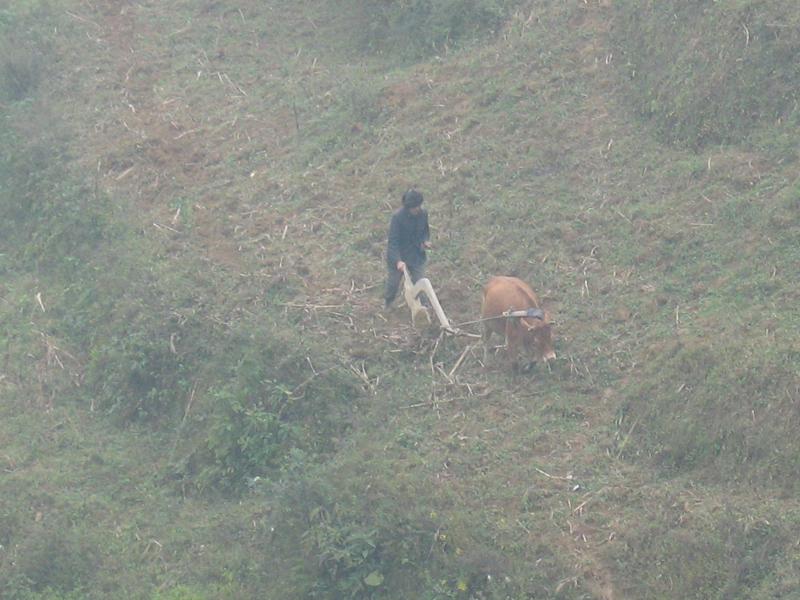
x=459, y=361
x=567, y=478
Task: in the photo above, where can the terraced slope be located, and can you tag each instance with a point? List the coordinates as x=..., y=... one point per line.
x=197, y=365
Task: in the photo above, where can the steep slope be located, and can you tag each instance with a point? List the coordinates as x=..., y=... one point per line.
x=247, y=159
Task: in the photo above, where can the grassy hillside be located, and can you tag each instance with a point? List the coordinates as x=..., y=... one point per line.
x=201, y=396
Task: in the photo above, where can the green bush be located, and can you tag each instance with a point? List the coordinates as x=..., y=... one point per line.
x=245, y=439
x=134, y=375
x=271, y=403
x=347, y=554
x=369, y=530
x=348, y=549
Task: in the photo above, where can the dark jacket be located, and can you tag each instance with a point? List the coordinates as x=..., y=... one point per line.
x=407, y=232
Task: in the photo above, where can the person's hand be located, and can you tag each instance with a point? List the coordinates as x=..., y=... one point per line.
x=427, y=245
x=401, y=265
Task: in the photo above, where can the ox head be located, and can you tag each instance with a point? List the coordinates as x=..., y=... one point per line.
x=538, y=338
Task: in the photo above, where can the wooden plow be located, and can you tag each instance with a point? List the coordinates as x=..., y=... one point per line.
x=411, y=293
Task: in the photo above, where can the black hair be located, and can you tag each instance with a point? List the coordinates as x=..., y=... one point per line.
x=412, y=198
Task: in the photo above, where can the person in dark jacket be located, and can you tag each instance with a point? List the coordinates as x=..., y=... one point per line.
x=409, y=237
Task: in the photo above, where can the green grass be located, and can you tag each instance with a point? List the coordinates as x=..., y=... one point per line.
x=730, y=75
x=194, y=204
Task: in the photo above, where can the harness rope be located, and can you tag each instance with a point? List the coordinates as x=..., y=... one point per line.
x=532, y=313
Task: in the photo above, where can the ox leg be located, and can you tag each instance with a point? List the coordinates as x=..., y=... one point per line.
x=529, y=363
x=512, y=358
x=486, y=336
x=511, y=345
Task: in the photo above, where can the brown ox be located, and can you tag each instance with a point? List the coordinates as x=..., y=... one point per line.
x=504, y=294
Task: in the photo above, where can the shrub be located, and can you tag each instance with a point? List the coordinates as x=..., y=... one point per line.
x=246, y=437
x=134, y=375
x=271, y=403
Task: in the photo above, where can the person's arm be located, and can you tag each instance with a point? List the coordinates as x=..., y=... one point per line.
x=426, y=233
